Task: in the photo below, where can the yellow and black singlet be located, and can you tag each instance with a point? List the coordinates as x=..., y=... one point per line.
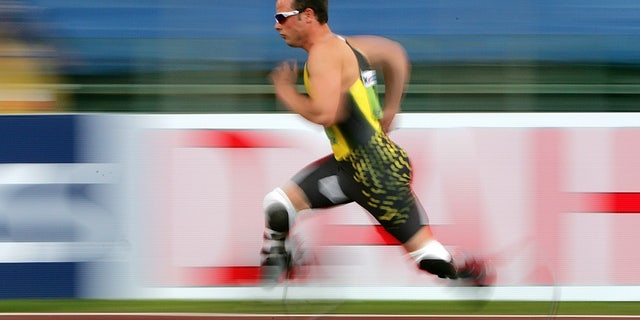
x=371, y=169
x=364, y=111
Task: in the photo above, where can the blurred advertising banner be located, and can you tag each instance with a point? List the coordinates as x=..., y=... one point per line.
x=550, y=199
x=54, y=217
x=170, y=206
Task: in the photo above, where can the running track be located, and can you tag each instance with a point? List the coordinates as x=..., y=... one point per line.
x=160, y=316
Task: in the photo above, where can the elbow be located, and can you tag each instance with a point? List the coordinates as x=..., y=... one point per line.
x=326, y=114
x=324, y=120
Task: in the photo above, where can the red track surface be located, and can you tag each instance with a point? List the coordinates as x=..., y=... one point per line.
x=114, y=316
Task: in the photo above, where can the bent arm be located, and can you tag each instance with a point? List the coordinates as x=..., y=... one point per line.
x=390, y=57
x=322, y=105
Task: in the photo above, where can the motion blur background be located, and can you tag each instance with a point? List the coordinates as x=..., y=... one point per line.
x=152, y=135
x=211, y=56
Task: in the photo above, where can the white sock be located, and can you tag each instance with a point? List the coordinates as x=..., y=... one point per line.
x=431, y=250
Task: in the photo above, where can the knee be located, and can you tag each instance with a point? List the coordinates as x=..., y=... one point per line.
x=279, y=211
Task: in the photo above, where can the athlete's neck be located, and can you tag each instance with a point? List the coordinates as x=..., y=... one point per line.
x=319, y=35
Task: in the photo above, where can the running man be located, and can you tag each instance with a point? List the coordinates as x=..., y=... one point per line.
x=366, y=166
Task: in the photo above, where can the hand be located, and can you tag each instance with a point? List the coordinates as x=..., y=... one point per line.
x=386, y=122
x=387, y=119
x=285, y=74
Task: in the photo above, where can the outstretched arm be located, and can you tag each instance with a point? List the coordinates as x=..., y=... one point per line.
x=390, y=57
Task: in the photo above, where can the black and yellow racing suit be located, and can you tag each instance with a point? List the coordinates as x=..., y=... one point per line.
x=366, y=166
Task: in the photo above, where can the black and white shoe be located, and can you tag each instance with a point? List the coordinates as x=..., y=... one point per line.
x=275, y=266
x=441, y=268
x=476, y=272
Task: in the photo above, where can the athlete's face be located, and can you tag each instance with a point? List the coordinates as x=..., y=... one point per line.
x=288, y=23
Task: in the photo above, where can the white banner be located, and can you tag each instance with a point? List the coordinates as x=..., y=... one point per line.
x=552, y=200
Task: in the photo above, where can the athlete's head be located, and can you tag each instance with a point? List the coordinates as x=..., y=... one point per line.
x=320, y=7
x=297, y=20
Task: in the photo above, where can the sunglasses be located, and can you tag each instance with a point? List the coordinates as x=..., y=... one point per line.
x=281, y=17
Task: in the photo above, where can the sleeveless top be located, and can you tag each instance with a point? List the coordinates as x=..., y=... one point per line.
x=378, y=172
x=363, y=111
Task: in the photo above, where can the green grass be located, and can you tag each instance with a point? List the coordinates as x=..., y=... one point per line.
x=321, y=307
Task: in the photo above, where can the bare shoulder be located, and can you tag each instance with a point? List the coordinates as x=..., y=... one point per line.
x=377, y=48
x=330, y=52
x=369, y=40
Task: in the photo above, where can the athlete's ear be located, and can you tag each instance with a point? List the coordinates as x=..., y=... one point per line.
x=308, y=15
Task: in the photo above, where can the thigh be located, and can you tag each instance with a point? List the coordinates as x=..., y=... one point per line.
x=320, y=184
x=380, y=182
x=401, y=215
x=398, y=211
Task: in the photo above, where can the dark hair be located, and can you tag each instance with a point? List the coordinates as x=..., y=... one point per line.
x=320, y=7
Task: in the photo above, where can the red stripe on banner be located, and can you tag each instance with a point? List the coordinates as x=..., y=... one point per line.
x=612, y=202
x=371, y=235
x=357, y=235
x=624, y=202
x=221, y=276
x=231, y=139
